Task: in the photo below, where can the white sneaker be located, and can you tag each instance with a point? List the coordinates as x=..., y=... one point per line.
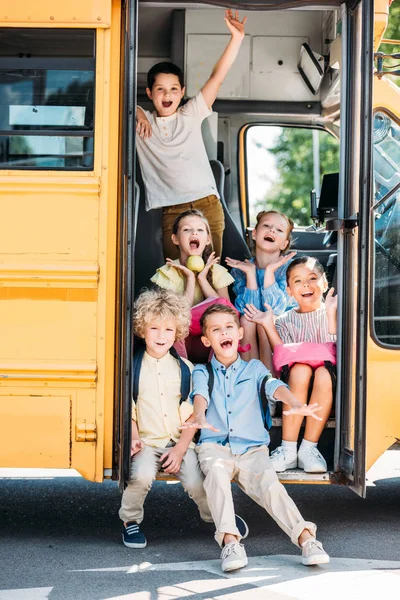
x=283, y=458
x=311, y=460
x=233, y=557
x=313, y=553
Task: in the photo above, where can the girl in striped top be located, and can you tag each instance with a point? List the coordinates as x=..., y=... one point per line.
x=262, y=280
x=313, y=321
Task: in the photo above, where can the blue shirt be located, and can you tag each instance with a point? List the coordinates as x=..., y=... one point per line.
x=235, y=407
x=275, y=295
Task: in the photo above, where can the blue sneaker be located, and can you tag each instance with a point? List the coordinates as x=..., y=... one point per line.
x=242, y=526
x=132, y=536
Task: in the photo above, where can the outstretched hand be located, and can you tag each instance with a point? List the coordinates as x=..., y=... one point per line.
x=282, y=260
x=187, y=272
x=243, y=265
x=331, y=300
x=254, y=315
x=235, y=26
x=198, y=422
x=307, y=410
x=212, y=260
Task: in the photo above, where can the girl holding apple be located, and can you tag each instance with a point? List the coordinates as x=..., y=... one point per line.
x=196, y=273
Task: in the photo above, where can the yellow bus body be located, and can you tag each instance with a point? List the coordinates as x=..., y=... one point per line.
x=57, y=278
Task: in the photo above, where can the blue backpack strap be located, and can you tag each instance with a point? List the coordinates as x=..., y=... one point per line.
x=137, y=365
x=264, y=403
x=185, y=375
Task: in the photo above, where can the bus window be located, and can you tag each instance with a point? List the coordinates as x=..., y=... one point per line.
x=284, y=164
x=47, y=98
x=387, y=230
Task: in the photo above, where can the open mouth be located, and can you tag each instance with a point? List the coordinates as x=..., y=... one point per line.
x=194, y=244
x=226, y=344
x=307, y=294
x=269, y=238
x=166, y=104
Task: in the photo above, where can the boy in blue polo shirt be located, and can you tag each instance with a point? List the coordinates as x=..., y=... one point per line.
x=234, y=441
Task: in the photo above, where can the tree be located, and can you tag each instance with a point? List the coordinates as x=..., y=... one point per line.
x=293, y=151
x=392, y=33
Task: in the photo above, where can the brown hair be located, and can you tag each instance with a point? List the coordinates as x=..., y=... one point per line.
x=162, y=305
x=218, y=309
x=303, y=260
x=290, y=224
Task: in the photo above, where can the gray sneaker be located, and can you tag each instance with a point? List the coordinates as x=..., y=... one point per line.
x=233, y=557
x=312, y=553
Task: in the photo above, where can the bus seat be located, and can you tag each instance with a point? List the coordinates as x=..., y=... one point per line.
x=148, y=249
x=234, y=244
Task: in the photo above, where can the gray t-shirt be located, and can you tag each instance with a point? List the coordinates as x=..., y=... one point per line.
x=174, y=162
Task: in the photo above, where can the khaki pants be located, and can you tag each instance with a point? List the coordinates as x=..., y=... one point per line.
x=211, y=208
x=256, y=477
x=144, y=467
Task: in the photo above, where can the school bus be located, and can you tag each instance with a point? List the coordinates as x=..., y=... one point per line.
x=76, y=244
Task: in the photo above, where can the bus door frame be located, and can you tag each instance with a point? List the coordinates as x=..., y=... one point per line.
x=128, y=213
x=354, y=251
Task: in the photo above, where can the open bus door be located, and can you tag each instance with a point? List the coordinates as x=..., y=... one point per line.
x=355, y=251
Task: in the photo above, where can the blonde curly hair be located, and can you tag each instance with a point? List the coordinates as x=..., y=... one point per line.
x=162, y=305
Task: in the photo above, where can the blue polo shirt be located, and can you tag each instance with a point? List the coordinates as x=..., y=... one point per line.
x=235, y=407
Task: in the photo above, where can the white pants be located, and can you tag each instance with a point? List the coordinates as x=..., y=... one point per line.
x=256, y=477
x=144, y=467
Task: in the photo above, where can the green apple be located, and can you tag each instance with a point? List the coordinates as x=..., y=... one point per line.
x=195, y=263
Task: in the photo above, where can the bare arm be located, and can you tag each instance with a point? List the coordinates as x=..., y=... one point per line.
x=190, y=279
x=205, y=285
x=221, y=69
x=331, y=311
x=266, y=320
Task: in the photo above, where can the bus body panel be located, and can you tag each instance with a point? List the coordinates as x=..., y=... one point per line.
x=57, y=284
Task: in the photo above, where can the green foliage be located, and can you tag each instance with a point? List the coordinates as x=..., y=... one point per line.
x=293, y=151
x=392, y=33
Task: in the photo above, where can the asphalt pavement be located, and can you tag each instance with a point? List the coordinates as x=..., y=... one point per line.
x=60, y=538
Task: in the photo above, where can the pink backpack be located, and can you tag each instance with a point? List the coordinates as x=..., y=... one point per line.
x=307, y=353
x=198, y=310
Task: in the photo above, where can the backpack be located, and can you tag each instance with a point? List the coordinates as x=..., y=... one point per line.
x=263, y=396
x=137, y=365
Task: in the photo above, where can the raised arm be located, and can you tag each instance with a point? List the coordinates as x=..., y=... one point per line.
x=331, y=311
x=266, y=320
x=221, y=69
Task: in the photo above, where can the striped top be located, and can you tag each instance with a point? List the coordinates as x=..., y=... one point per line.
x=294, y=327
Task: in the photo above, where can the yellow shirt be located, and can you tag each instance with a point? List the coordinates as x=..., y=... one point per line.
x=158, y=413
x=169, y=278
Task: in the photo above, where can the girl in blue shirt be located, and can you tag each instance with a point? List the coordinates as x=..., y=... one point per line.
x=262, y=279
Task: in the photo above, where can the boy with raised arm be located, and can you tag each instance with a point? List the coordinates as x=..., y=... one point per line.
x=234, y=441
x=175, y=167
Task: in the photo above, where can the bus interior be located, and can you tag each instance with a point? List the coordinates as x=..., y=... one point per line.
x=263, y=98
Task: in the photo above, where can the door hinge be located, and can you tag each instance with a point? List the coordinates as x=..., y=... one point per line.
x=342, y=224
x=85, y=432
